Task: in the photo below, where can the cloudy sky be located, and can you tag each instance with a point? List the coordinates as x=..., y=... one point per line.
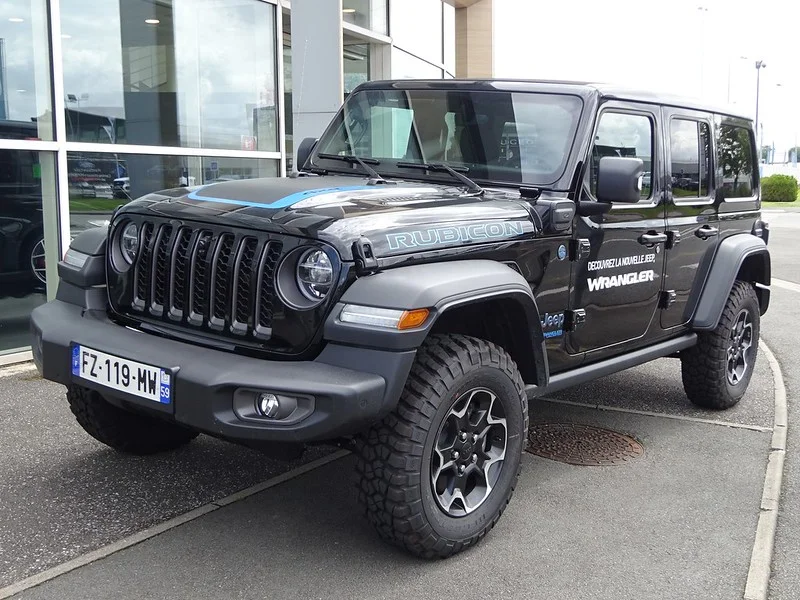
x=659, y=44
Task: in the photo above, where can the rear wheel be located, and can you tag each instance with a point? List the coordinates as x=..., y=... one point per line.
x=717, y=371
x=122, y=430
x=436, y=474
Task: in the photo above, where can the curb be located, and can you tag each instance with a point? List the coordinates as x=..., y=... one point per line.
x=758, y=575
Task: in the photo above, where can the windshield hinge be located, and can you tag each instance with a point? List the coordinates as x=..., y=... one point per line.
x=364, y=256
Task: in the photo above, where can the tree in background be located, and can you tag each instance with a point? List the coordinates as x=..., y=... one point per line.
x=735, y=152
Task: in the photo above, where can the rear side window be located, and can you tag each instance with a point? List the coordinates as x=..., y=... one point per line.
x=690, y=158
x=626, y=135
x=735, y=159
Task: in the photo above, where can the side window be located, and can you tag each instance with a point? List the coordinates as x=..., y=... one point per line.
x=626, y=135
x=735, y=160
x=690, y=158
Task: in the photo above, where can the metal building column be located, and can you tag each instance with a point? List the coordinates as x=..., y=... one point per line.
x=317, y=64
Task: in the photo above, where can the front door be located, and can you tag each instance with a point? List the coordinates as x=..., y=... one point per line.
x=692, y=220
x=618, y=284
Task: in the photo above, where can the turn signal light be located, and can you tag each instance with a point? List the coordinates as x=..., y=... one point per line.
x=413, y=318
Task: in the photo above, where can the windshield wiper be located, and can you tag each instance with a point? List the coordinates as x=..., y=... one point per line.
x=474, y=188
x=364, y=163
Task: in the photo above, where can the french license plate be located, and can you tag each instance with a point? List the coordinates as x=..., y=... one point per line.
x=145, y=381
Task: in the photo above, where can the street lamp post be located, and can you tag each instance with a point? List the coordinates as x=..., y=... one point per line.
x=760, y=64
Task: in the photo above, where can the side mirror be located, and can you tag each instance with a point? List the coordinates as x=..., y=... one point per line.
x=620, y=179
x=304, y=150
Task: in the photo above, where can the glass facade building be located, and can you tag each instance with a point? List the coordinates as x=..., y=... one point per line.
x=102, y=101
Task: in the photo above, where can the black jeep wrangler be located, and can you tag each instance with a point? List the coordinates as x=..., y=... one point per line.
x=448, y=249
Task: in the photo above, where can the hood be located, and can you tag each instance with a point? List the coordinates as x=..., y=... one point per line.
x=401, y=218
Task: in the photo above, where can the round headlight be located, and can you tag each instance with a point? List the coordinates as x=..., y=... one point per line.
x=314, y=274
x=129, y=242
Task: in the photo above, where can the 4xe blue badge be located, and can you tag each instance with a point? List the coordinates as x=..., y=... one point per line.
x=562, y=252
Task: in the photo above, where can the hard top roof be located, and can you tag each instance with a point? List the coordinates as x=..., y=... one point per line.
x=582, y=88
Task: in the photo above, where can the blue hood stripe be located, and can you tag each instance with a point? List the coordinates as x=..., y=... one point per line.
x=284, y=202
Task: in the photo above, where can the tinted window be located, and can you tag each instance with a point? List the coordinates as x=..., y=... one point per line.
x=499, y=136
x=690, y=158
x=624, y=135
x=735, y=158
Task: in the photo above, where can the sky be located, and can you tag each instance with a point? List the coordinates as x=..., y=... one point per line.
x=659, y=45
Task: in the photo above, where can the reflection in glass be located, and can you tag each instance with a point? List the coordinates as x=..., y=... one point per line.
x=22, y=263
x=99, y=182
x=690, y=156
x=356, y=66
x=735, y=158
x=369, y=14
x=25, y=111
x=623, y=135
x=191, y=73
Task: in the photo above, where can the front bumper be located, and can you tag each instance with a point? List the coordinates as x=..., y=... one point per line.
x=351, y=387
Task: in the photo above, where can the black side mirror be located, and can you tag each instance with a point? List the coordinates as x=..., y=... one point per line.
x=620, y=179
x=304, y=150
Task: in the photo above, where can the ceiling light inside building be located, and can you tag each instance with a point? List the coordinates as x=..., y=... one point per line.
x=348, y=10
x=65, y=36
x=16, y=20
x=152, y=21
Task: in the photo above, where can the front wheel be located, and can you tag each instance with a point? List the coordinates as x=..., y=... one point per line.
x=717, y=371
x=125, y=431
x=438, y=472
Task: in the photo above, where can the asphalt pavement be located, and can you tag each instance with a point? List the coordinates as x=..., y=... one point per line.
x=678, y=522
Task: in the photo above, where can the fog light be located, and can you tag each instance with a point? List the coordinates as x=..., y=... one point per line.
x=268, y=405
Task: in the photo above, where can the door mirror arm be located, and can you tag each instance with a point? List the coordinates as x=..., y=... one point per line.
x=593, y=208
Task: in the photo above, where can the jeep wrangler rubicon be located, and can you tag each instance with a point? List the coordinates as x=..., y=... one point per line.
x=448, y=249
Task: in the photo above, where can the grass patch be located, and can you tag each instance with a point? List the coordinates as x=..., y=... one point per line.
x=94, y=204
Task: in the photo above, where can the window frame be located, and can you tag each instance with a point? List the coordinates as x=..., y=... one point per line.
x=697, y=117
x=639, y=110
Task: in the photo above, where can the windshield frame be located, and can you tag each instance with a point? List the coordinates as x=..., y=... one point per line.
x=560, y=179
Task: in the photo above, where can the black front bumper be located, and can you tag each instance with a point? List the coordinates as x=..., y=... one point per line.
x=350, y=387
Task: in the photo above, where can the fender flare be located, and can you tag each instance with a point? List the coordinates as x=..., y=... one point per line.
x=735, y=254
x=439, y=287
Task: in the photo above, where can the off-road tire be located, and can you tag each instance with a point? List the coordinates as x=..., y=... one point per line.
x=126, y=431
x=704, y=366
x=394, y=457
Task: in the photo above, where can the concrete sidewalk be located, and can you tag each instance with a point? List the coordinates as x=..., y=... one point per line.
x=677, y=522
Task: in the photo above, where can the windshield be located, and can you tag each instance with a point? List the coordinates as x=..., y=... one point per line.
x=508, y=137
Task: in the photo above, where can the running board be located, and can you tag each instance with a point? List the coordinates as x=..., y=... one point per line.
x=613, y=365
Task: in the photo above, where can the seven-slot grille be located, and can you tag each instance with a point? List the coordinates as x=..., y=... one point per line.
x=218, y=281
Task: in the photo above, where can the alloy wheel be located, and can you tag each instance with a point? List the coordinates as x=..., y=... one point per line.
x=739, y=353
x=469, y=452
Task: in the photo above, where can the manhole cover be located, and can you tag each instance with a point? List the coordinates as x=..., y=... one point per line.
x=581, y=444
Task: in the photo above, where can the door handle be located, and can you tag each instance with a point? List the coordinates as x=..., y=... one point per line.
x=706, y=231
x=649, y=239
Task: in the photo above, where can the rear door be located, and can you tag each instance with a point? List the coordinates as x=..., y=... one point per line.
x=692, y=221
x=618, y=283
